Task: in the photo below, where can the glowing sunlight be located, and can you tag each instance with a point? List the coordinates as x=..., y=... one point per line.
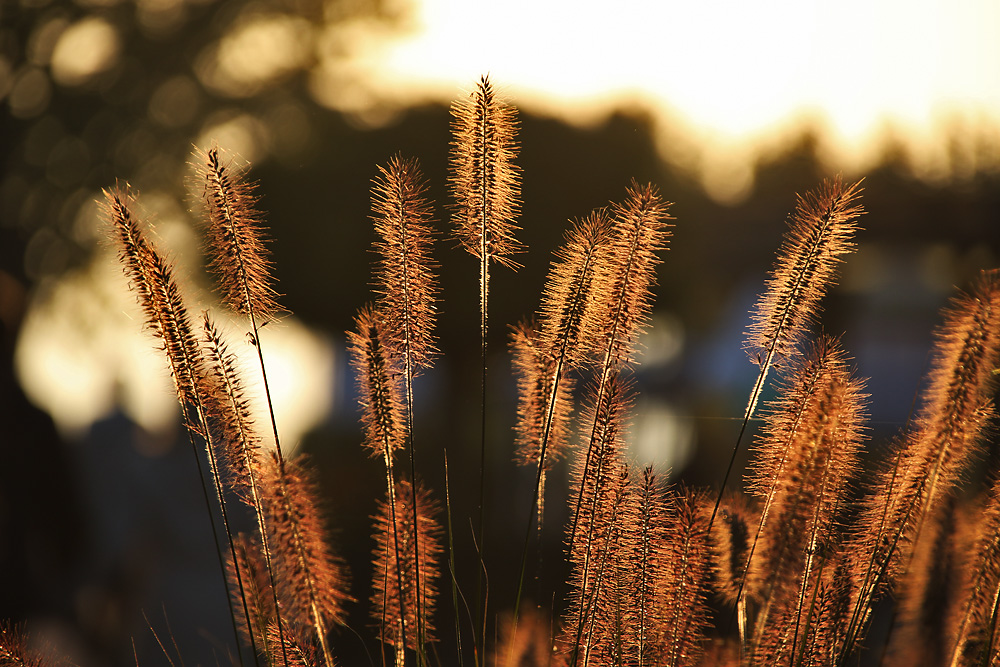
x=736, y=73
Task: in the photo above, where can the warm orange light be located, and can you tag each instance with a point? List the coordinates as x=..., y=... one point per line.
x=736, y=73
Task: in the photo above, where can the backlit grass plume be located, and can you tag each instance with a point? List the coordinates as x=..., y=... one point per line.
x=804, y=460
x=379, y=386
x=974, y=634
x=257, y=584
x=393, y=342
x=395, y=603
x=167, y=317
x=928, y=462
x=235, y=236
x=684, y=580
x=385, y=427
x=311, y=582
x=486, y=185
x=240, y=446
x=404, y=277
x=540, y=419
x=299, y=651
x=160, y=298
x=484, y=179
x=570, y=289
x=622, y=296
x=649, y=522
x=563, y=340
x=820, y=231
x=240, y=442
x=803, y=464
x=787, y=571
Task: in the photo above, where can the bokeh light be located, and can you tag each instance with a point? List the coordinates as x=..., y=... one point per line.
x=84, y=50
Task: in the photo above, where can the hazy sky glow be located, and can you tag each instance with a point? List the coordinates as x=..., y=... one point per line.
x=732, y=71
x=731, y=79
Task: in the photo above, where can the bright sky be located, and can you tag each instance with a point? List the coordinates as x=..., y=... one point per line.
x=733, y=71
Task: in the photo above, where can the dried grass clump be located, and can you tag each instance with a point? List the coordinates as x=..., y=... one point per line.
x=788, y=572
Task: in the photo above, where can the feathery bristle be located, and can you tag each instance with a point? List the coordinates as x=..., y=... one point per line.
x=973, y=630
x=14, y=651
x=381, y=395
x=386, y=577
x=257, y=589
x=807, y=456
x=962, y=376
x=291, y=645
x=405, y=277
x=311, y=582
x=956, y=408
x=928, y=462
x=647, y=523
x=240, y=442
x=623, y=290
x=536, y=372
x=820, y=231
x=235, y=238
x=569, y=289
x=686, y=579
x=484, y=179
x=160, y=297
x=600, y=483
x=926, y=595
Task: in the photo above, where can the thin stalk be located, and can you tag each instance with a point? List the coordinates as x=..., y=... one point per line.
x=391, y=490
x=754, y=397
x=218, y=549
x=484, y=285
x=408, y=365
x=451, y=563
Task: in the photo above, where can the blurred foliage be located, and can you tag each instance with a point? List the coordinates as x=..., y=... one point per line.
x=95, y=90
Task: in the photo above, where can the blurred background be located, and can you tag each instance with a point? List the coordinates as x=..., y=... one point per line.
x=730, y=108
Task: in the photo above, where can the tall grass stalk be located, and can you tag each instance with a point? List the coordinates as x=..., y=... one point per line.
x=486, y=185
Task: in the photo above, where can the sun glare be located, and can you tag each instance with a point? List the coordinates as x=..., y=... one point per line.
x=733, y=72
